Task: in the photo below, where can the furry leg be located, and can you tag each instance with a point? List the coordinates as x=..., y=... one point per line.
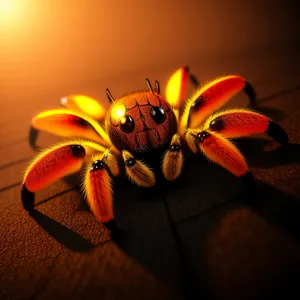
x=97, y=185
x=64, y=122
x=53, y=163
x=84, y=105
x=137, y=171
x=211, y=97
x=173, y=159
x=177, y=86
x=235, y=123
x=219, y=150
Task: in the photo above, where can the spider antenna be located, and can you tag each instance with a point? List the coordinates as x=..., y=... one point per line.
x=157, y=87
x=149, y=85
x=110, y=97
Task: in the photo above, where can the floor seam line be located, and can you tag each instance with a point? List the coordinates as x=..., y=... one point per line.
x=189, y=281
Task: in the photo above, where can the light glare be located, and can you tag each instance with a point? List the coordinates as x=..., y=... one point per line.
x=6, y=7
x=118, y=111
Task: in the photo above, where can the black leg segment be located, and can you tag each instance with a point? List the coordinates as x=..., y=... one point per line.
x=32, y=138
x=27, y=199
x=276, y=132
x=249, y=181
x=250, y=92
x=194, y=81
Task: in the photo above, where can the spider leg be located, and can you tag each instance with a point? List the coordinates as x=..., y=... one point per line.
x=235, y=123
x=84, y=105
x=97, y=185
x=194, y=80
x=211, y=97
x=63, y=122
x=173, y=159
x=218, y=149
x=137, y=171
x=53, y=163
x=177, y=86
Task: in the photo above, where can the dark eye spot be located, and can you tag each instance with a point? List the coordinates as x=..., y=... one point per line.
x=130, y=162
x=199, y=103
x=158, y=114
x=216, y=125
x=175, y=148
x=97, y=165
x=201, y=136
x=127, y=124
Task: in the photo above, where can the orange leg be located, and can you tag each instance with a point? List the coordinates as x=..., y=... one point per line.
x=173, y=159
x=137, y=171
x=219, y=150
x=63, y=122
x=49, y=166
x=235, y=123
x=84, y=105
x=53, y=163
x=177, y=86
x=211, y=97
x=98, y=185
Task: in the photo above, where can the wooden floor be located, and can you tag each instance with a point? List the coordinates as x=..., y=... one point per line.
x=202, y=237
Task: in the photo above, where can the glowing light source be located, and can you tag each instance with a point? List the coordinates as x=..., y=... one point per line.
x=118, y=111
x=6, y=7
x=11, y=15
x=9, y=9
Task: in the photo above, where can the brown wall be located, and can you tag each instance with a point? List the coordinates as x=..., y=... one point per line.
x=65, y=42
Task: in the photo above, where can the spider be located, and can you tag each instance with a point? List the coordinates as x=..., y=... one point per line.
x=140, y=123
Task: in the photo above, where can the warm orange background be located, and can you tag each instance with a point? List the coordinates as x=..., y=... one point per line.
x=55, y=45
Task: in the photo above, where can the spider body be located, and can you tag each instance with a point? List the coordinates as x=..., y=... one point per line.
x=140, y=124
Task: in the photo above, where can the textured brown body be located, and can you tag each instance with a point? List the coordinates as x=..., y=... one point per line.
x=147, y=134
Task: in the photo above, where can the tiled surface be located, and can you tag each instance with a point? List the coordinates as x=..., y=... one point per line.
x=196, y=237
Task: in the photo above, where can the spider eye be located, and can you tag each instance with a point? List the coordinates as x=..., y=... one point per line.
x=127, y=124
x=158, y=114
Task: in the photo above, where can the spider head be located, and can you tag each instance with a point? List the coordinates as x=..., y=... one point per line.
x=140, y=122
